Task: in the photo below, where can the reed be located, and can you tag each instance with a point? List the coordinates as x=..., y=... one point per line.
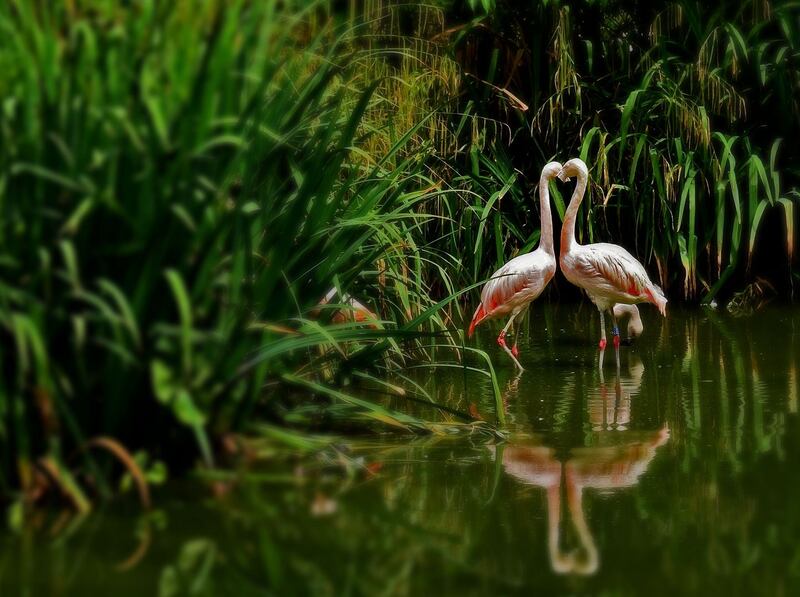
x=181, y=185
x=679, y=109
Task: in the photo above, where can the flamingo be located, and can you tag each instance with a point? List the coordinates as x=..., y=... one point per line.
x=605, y=469
x=352, y=310
x=539, y=466
x=513, y=287
x=608, y=273
x=614, y=460
x=635, y=325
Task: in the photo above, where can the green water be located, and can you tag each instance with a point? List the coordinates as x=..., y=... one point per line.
x=678, y=476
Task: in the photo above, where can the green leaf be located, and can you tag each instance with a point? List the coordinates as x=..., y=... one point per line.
x=163, y=380
x=754, y=224
x=185, y=409
x=627, y=115
x=183, y=302
x=788, y=210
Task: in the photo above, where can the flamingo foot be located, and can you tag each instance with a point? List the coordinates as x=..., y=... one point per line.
x=602, y=344
x=515, y=351
x=501, y=339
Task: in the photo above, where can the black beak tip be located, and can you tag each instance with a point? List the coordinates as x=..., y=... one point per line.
x=627, y=342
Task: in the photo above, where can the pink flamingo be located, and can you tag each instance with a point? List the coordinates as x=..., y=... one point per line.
x=520, y=281
x=608, y=273
x=352, y=311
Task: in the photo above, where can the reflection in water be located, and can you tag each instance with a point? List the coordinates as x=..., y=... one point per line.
x=615, y=412
x=617, y=462
x=715, y=510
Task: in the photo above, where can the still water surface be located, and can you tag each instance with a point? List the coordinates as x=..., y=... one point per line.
x=679, y=475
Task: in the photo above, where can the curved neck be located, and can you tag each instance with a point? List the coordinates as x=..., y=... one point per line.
x=546, y=239
x=575, y=503
x=636, y=318
x=568, y=227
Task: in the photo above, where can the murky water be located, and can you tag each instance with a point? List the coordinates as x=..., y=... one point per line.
x=679, y=475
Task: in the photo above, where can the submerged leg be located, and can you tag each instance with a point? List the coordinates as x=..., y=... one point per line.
x=501, y=340
x=615, y=333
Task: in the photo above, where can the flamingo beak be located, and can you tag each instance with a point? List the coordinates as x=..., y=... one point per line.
x=627, y=341
x=562, y=175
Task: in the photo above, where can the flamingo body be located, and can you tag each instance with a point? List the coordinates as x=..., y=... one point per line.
x=608, y=273
x=352, y=311
x=514, y=286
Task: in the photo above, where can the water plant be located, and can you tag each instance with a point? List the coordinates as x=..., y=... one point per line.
x=679, y=109
x=181, y=184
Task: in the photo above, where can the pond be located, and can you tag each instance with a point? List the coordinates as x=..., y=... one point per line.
x=678, y=475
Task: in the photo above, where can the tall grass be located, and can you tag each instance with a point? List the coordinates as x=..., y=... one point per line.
x=679, y=109
x=181, y=183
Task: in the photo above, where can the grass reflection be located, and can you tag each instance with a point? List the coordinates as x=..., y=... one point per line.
x=677, y=475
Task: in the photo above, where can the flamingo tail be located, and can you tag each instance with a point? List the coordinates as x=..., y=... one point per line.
x=479, y=316
x=656, y=296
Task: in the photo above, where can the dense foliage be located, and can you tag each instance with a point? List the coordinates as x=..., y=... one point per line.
x=181, y=182
x=679, y=108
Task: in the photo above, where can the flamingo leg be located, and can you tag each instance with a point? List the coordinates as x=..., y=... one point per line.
x=602, y=331
x=501, y=340
x=602, y=343
x=615, y=333
x=514, y=349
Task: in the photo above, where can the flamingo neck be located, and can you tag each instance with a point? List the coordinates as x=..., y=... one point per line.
x=546, y=240
x=636, y=319
x=568, y=228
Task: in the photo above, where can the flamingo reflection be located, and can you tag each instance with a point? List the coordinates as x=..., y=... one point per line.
x=618, y=462
x=614, y=413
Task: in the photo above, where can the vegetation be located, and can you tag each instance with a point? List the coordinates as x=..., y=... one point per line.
x=679, y=108
x=182, y=182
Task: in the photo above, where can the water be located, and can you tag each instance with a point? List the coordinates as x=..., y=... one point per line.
x=678, y=476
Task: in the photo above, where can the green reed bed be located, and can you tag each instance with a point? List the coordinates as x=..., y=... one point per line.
x=684, y=112
x=181, y=183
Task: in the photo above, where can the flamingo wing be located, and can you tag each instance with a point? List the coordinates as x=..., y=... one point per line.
x=519, y=281
x=616, y=267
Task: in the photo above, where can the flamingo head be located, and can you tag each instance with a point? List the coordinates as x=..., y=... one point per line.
x=551, y=170
x=635, y=329
x=574, y=167
x=635, y=326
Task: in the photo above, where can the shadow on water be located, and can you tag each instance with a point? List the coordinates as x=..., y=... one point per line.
x=676, y=476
